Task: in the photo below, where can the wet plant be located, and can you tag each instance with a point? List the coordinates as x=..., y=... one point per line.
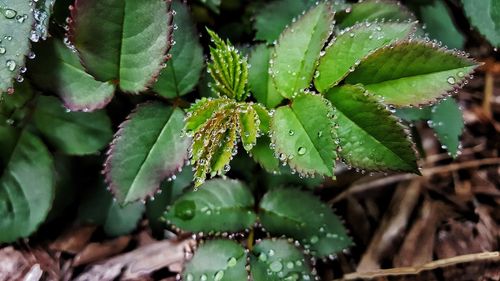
x=322, y=83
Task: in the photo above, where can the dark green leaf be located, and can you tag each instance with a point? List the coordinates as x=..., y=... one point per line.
x=219, y=206
x=412, y=73
x=264, y=155
x=26, y=183
x=369, y=135
x=448, y=123
x=67, y=78
x=123, y=41
x=148, y=148
x=278, y=260
x=218, y=260
x=485, y=16
x=351, y=46
x=439, y=24
x=260, y=81
x=373, y=10
x=314, y=225
x=294, y=58
x=411, y=114
x=16, y=20
x=184, y=68
x=74, y=133
x=303, y=135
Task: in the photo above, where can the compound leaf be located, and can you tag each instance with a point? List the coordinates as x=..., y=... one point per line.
x=314, y=225
x=218, y=206
x=148, y=148
x=218, y=260
x=369, y=135
x=485, y=16
x=260, y=81
x=184, y=68
x=26, y=183
x=303, y=135
x=373, y=10
x=123, y=41
x=16, y=21
x=294, y=58
x=74, y=133
x=67, y=78
x=351, y=46
x=277, y=260
x=448, y=123
x=412, y=73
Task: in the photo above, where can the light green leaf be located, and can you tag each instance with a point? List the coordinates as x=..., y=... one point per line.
x=148, y=148
x=16, y=20
x=439, y=24
x=264, y=155
x=260, y=81
x=184, y=68
x=485, y=16
x=373, y=10
x=218, y=260
x=74, y=133
x=122, y=41
x=201, y=111
x=294, y=58
x=228, y=68
x=248, y=120
x=448, y=123
x=314, y=225
x=219, y=206
x=303, y=135
x=99, y=208
x=278, y=260
x=412, y=73
x=351, y=46
x=264, y=117
x=67, y=78
x=370, y=136
x=26, y=183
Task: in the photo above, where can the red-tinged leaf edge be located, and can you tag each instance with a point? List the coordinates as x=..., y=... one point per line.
x=73, y=9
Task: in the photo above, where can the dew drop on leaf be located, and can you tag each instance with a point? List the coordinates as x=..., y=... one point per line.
x=291, y=132
x=2, y=50
x=9, y=13
x=231, y=262
x=11, y=65
x=219, y=275
x=302, y=150
x=276, y=266
x=203, y=277
x=185, y=210
x=451, y=80
x=263, y=257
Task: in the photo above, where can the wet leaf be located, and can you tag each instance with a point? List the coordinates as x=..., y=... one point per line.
x=485, y=16
x=373, y=10
x=260, y=81
x=448, y=123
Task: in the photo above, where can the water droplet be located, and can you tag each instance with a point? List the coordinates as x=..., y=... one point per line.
x=11, y=65
x=290, y=265
x=189, y=277
x=185, y=210
x=276, y=266
x=232, y=262
x=271, y=252
x=203, y=277
x=219, y=275
x=451, y=80
x=262, y=257
x=9, y=13
x=291, y=132
x=314, y=239
x=227, y=168
x=2, y=50
x=302, y=150
x=461, y=74
x=320, y=134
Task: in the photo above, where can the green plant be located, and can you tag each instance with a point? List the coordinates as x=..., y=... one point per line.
x=321, y=84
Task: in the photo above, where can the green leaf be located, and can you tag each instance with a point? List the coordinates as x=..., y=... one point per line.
x=264, y=117
x=439, y=24
x=74, y=133
x=412, y=114
x=448, y=123
x=228, y=68
x=214, y=5
x=264, y=155
x=26, y=183
x=15, y=107
x=170, y=191
x=219, y=206
x=260, y=81
x=99, y=208
x=373, y=10
x=148, y=148
x=278, y=260
x=248, y=122
x=201, y=111
x=351, y=46
x=16, y=20
x=294, y=58
x=218, y=260
x=123, y=41
x=314, y=225
x=303, y=135
x=184, y=68
x=485, y=16
x=67, y=78
x=412, y=73
x=369, y=135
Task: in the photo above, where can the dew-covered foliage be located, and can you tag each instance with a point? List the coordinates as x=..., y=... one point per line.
x=160, y=100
